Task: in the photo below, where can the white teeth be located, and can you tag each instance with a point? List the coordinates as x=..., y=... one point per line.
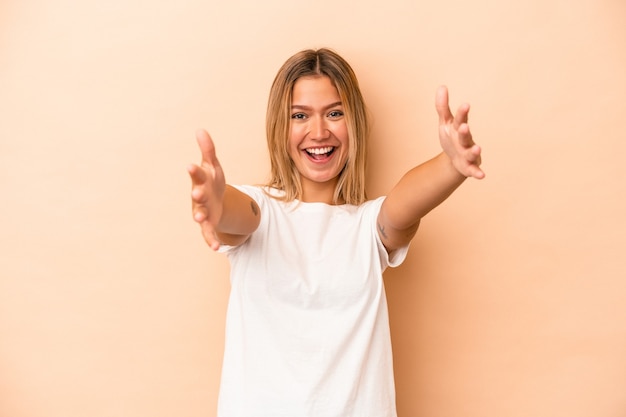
x=319, y=151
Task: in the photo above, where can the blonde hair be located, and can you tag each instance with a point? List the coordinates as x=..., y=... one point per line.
x=284, y=175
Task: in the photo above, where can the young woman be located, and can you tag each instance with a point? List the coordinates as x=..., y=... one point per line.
x=307, y=331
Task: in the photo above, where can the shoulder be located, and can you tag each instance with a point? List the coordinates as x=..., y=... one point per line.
x=372, y=206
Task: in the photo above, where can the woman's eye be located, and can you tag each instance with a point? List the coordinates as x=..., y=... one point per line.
x=298, y=116
x=335, y=114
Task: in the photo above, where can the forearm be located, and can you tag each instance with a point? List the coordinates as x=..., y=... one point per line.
x=419, y=191
x=240, y=214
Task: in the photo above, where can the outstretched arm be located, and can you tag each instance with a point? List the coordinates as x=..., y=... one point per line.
x=426, y=186
x=225, y=214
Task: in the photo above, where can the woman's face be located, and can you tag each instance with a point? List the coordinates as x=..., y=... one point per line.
x=318, y=139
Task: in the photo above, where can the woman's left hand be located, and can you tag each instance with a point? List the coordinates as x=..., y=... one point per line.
x=455, y=137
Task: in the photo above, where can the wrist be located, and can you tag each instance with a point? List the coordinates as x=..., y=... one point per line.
x=450, y=168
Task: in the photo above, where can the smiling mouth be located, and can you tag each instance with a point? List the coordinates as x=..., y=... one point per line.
x=320, y=153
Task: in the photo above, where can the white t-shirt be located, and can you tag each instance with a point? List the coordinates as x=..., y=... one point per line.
x=307, y=330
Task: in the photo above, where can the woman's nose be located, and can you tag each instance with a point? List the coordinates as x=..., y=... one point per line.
x=319, y=129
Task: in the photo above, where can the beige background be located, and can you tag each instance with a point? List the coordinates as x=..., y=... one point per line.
x=513, y=299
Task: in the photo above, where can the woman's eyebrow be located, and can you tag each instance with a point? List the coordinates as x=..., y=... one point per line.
x=303, y=107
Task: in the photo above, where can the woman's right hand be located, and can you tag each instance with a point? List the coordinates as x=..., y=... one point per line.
x=207, y=192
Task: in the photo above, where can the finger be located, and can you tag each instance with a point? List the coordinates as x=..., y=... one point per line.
x=207, y=148
x=197, y=174
x=465, y=136
x=198, y=212
x=208, y=232
x=198, y=195
x=461, y=115
x=477, y=173
x=475, y=160
x=442, y=106
x=471, y=154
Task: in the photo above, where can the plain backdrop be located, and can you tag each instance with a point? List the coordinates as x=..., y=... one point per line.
x=512, y=302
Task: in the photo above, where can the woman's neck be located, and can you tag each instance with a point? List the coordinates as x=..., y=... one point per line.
x=315, y=192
